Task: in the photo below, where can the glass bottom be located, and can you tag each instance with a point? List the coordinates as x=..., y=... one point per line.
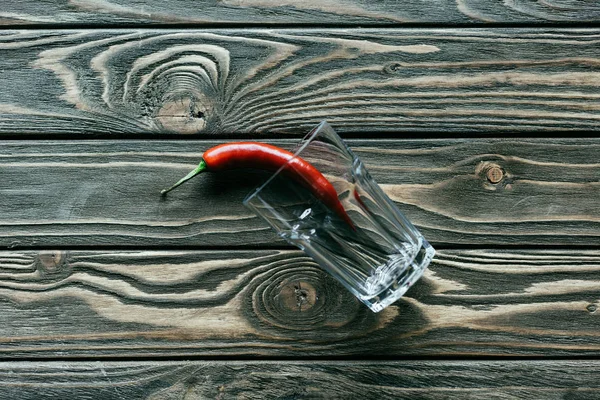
x=404, y=280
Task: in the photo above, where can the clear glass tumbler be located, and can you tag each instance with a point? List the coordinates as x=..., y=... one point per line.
x=380, y=257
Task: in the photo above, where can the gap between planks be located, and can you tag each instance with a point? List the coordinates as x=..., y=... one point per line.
x=326, y=358
x=380, y=136
x=306, y=26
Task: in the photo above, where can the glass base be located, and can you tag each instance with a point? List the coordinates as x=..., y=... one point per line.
x=405, y=279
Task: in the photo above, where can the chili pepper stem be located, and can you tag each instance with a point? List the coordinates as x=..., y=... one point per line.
x=200, y=168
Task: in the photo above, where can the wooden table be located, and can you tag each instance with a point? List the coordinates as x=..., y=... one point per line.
x=477, y=117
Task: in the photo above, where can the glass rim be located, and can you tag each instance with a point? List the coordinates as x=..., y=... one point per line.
x=304, y=142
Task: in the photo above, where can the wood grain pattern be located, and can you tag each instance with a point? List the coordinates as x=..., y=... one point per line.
x=259, y=82
x=300, y=380
x=106, y=193
x=278, y=303
x=356, y=12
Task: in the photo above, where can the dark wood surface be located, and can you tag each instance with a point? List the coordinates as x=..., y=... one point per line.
x=351, y=12
x=298, y=380
x=90, y=193
x=272, y=303
x=266, y=82
x=477, y=117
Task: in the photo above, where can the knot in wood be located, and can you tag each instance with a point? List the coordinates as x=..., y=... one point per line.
x=51, y=262
x=495, y=174
x=300, y=301
x=591, y=308
x=187, y=115
x=392, y=68
x=298, y=297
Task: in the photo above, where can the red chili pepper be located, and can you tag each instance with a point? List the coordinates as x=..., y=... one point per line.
x=268, y=157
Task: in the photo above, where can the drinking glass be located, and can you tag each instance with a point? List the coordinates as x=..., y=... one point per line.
x=379, y=257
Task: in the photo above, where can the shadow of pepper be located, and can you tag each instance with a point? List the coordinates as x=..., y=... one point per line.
x=235, y=183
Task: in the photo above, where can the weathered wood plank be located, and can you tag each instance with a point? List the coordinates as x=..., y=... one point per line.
x=299, y=380
x=296, y=12
x=278, y=303
x=91, y=193
x=285, y=81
